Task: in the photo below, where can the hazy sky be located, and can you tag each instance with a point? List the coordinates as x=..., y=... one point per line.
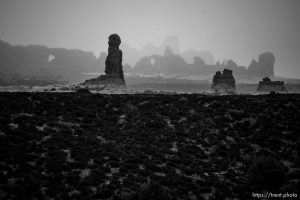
x=230, y=29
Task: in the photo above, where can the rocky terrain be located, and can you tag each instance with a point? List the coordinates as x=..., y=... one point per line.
x=92, y=146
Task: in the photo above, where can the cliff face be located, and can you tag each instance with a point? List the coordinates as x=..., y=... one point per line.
x=37, y=60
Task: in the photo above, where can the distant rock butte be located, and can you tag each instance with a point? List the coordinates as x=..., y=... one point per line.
x=133, y=55
x=264, y=66
x=266, y=85
x=172, y=64
x=113, y=66
x=223, y=82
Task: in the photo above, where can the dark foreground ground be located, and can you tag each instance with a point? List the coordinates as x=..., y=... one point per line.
x=71, y=146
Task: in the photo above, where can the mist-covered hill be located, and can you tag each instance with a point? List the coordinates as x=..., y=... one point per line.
x=133, y=55
x=172, y=64
x=34, y=62
x=38, y=60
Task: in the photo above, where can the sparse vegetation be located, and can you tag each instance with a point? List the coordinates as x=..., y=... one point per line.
x=82, y=91
x=266, y=172
x=67, y=145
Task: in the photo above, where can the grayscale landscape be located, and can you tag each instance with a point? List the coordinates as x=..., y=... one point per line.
x=149, y=99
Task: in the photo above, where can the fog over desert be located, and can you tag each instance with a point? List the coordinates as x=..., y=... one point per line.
x=149, y=99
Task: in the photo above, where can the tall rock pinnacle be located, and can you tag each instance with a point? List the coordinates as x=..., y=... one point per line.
x=113, y=65
x=113, y=60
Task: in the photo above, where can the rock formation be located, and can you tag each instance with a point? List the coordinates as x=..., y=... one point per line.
x=133, y=55
x=264, y=66
x=34, y=60
x=228, y=79
x=171, y=64
x=266, y=85
x=198, y=61
x=41, y=62
x=113, y=65
x=171, y=41
x=223, y=82
x=168, y=52
x=190, y=54
x=113, y=60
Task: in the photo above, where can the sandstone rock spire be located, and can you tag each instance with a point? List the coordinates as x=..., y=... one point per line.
x=113, y=60
x=113, y=65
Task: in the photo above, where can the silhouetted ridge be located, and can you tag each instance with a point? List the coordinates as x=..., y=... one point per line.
x=37, y=60
x=172, y=64
x=33, y=60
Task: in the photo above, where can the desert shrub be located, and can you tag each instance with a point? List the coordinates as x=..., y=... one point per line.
x=231, y=92
x=151, y=191
x=83, y=91
x=267, y=173
x=223, y=188
x=217, y=195
x=104, y=193
x=129, y=108
x=148, y=91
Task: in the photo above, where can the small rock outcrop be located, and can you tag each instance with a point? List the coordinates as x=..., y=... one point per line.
x=113, y=66
x=223, y=82
x=266, y=85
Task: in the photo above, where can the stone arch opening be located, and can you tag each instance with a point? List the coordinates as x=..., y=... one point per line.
x=50, y=58
x=152, y=61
